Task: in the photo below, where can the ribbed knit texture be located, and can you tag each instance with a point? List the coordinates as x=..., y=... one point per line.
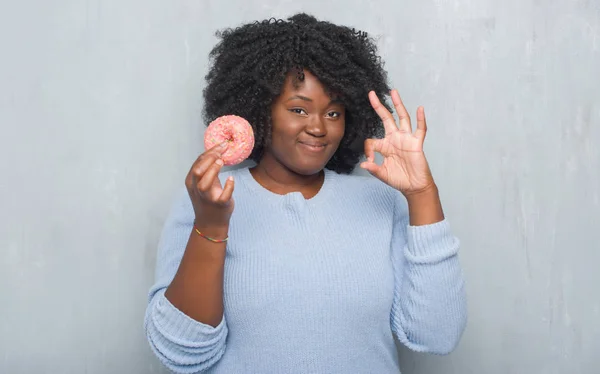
x=314, y=286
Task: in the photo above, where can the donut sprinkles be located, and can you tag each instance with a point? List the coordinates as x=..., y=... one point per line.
x=235, y=130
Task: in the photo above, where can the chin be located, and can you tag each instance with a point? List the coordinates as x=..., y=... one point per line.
x=306, y=169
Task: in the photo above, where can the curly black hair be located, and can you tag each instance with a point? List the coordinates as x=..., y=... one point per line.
x=250, y=63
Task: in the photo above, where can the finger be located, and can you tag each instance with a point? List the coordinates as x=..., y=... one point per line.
x=370, y=150
x=227, y=191
x=214, y=152
x=205, y=161
x=403, y=116
x=209, y=156
x=388, y=119
x=372, y=146
x=421, y=123
x=207, y=180
x=217, y=149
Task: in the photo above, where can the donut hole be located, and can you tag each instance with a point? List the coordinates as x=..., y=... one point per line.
x=227, y=135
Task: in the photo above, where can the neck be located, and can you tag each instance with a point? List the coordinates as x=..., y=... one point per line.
x=279, y=179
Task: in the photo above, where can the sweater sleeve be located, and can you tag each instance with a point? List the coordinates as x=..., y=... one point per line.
x=182, y=344
x=429, y=311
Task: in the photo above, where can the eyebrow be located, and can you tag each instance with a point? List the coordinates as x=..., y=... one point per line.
x=304, y=98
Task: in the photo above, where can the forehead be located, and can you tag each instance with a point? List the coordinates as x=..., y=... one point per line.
x=310, y=87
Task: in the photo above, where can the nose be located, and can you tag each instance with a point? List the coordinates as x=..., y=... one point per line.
x=316, y=127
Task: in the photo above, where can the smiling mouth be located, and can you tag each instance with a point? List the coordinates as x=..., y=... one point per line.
x=313, y=146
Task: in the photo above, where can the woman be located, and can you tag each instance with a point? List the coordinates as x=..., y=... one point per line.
x=293, y=265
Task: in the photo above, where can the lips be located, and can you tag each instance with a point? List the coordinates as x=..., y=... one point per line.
x=313, y=146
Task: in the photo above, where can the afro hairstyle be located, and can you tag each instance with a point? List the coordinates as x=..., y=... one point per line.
x=250, y=63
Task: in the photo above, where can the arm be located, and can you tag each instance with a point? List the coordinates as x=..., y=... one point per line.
x=184, y=320
x=429, y=310
x=201, y=268
x=180, y=321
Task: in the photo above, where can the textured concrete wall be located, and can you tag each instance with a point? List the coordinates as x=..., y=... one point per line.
x=100, y=119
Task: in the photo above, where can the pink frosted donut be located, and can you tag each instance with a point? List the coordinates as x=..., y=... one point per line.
x=235, y=130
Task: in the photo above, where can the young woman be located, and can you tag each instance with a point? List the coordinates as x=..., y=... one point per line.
x=294, y=265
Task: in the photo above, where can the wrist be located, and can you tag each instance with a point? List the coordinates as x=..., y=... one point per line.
x=423, y=194
x=425, y=207
x=212, y=230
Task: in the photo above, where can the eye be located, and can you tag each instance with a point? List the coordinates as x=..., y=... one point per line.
x=298, y=111
x=334, y=114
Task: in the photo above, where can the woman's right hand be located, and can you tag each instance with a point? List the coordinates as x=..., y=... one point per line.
x=212, y=203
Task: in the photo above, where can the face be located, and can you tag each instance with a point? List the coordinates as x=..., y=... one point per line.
x=307, y=127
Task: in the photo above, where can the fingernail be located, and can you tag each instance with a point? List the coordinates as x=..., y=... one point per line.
x=219, y=161
x=222, y=145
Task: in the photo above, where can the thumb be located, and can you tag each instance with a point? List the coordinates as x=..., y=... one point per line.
x=373, y=168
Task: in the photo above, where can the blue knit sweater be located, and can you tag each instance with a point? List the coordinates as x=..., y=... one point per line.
x=314, y=286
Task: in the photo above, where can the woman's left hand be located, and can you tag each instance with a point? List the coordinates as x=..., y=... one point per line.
x=404, y=166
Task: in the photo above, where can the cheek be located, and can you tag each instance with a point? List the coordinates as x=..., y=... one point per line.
x=287, y=128
x=284, y=132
